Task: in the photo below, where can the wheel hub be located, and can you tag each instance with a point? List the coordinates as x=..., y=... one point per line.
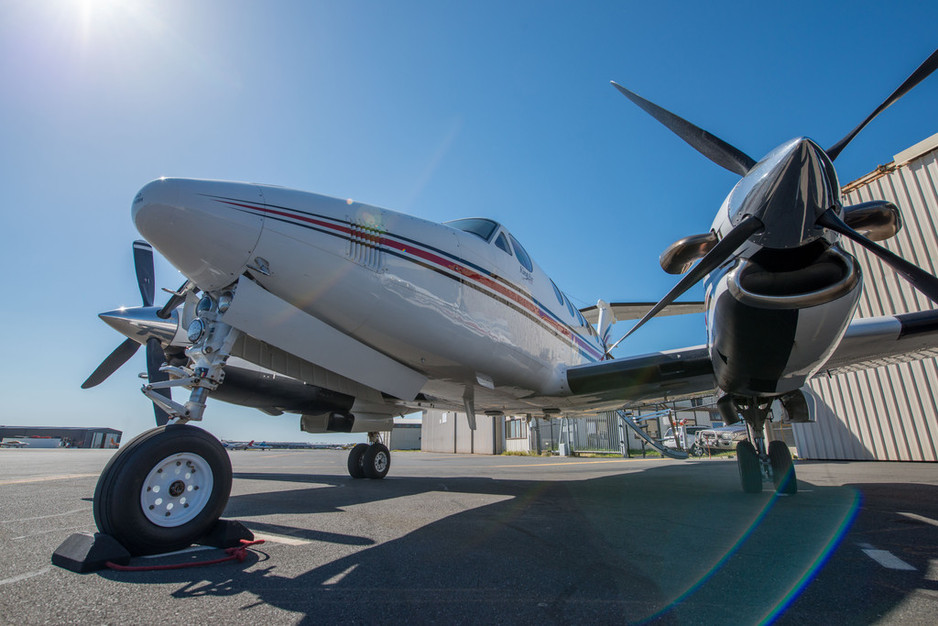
x=381, y=461
x=176, y=489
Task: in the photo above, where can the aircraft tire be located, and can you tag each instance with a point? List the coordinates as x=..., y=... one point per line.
x=163, y=490
x=783, y=470
x=376, y=461
x=747, y=462
x=355, y=467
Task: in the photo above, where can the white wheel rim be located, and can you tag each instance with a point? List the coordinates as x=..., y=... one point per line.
x=381, y=462
x=176, y=489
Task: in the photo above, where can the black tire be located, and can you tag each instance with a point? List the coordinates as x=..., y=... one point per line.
x=355, y=467
x=171, y=468
x=747, y=462
x=783, y=470
x=376, y=461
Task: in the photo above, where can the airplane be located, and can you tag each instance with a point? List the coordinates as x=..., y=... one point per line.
x=241, y=445
x=348, y=314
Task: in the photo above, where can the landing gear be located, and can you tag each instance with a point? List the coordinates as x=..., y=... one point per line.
x=783, y=471
x=163, y=490
x=755, y=464
x=750, y=472
x=369, y=460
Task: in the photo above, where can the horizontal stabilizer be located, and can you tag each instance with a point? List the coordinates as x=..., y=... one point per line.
x=635, y=310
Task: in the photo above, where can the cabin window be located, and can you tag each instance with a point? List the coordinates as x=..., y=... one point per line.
x=502, y=242
x=522, y=255
x=478, y=226
x=557, y=293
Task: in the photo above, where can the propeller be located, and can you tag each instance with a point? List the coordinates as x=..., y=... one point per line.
x=143, y=265
x=920, y=74
x=916, y=276
x=736, y=161
x=712, y=147
x=712, y=260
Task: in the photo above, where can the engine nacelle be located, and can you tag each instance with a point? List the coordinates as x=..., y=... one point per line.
x=772, y=328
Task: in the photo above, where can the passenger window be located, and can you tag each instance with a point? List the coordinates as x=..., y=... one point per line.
x=502, y=243
x=522, y=255
x=557, y=293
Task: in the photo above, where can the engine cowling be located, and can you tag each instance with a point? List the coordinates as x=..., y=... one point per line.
x=775, y=319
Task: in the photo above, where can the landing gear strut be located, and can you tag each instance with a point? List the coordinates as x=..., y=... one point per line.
x=756, y=464
x=168, y=487
x=369, y=460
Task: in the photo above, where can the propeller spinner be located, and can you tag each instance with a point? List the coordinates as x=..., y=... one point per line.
x=144, y=322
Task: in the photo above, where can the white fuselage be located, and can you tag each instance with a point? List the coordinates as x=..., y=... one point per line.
x=445, y=302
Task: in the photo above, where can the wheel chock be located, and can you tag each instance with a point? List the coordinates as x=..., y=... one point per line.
x=226, y=533
x=86, y=552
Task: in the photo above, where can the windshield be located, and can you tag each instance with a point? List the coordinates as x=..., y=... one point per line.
x=478, y=226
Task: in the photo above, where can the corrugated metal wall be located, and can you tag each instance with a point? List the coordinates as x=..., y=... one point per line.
x=888, y=413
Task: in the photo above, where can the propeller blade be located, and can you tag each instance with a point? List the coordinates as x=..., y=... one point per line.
x=112, y=363
x=155, y=359
x=143, y=263
x=714, y=148
x=713, y=259
x=177, y=298
x=917, y=277
x=920, y=74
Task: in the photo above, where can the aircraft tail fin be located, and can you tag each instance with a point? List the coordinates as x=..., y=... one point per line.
x=606, y=319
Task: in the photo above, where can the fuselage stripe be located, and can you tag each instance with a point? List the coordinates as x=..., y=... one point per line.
x=467, y=272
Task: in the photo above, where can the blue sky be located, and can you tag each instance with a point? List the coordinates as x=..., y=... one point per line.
x=439, y=109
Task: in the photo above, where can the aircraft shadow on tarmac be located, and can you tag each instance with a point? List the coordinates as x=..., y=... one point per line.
x=662, y=544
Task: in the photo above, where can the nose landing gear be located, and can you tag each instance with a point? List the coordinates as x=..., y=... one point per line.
x=755, y=464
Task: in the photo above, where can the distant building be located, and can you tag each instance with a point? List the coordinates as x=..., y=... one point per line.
x=72, y=437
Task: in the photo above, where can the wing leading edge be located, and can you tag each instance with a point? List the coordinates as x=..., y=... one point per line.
x=664, y=376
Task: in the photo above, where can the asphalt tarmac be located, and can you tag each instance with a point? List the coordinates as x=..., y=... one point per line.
x=462, y=539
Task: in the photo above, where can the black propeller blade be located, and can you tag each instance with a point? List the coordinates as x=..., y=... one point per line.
x=917, y=277
x=155, y=359
x=920, y=74
x=712, y=260
x=112, y=363
x=712, y=147
x=143, y=263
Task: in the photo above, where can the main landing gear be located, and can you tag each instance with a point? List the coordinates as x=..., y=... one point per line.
x=755, y=464
x=167, y=488
x=369, y=460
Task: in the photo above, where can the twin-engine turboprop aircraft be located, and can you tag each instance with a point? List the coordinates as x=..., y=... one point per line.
x=348, y=314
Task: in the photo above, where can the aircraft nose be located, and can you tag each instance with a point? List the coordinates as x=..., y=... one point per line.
x=206, y=229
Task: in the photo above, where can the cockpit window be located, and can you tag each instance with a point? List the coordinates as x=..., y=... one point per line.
x=478, y=226
x=522, y=255
x=502, y=243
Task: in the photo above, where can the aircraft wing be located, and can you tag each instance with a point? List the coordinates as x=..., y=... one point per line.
x=662, y=376
x=635, y=310
x=875, y=341
x=657, y=376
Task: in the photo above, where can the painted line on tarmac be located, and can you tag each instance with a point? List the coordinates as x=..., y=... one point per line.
x=885, y=558
x=290, y=541
x=16, y=579
x=42, y=479
x=571, y=463
x=919, y=518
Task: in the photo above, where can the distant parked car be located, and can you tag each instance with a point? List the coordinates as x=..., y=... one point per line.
x=13, y=443
x=690, y=437
x=723, y=437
